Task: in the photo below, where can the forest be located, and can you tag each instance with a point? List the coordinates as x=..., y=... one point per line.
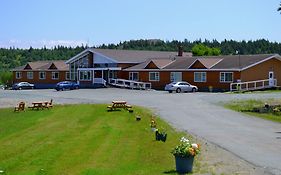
x=13, y=57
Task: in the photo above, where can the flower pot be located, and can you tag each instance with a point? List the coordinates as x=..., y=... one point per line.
x=184, y=164
x=157, y=136
x=163, y=137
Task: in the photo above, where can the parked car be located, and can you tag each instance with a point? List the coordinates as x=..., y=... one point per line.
x=66, y=85
x=181, y=86
x=23, y=85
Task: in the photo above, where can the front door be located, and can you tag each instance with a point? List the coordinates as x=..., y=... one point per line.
x=271, y=78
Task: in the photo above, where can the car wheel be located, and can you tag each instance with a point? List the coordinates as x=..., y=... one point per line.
x=170, y=91
x=20, y=88
x=178, y=90
x=193, y=90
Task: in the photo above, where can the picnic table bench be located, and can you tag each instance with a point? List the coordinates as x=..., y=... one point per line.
x=39, y=105
x=119, y=105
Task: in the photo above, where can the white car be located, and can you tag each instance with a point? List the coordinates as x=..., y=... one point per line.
x=180, y=86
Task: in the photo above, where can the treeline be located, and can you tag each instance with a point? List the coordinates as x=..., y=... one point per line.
x=14, y=57
x=227, y=47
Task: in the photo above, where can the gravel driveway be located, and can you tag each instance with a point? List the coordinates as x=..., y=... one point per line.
x=253, y=140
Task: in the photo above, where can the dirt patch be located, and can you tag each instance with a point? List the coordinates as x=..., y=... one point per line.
x=215, y=160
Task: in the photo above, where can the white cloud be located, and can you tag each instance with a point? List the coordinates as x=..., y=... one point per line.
x=41, y=43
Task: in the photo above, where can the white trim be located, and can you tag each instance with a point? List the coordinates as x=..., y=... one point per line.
x=44, y=78
x=100, y=68
x=28, y=75
x=194, y=63
x=252, y=65
x=138, y=76
x=216, y=63
x=85, y=71
x=83, y=53
x=224, y=77
x=155, y=76
x=53, y=75
x=18, y=73
x=185, y=70
x=66, y=75
x=200, y=77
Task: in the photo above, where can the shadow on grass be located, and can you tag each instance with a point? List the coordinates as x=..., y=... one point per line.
x=170, y=172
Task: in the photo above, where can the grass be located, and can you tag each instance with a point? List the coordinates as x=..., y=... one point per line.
x=84, y=139
x=244, y=105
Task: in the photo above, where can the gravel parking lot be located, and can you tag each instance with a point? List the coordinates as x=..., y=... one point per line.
x=251, y=144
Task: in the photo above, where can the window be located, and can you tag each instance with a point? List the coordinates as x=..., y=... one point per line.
x=67, y=75
x=176, y=76
x=134, y=76
x=226, y=77
x=154, y=76
x=55, y=75
x=85, y=75
x=200, y=77
x=42, y=75
x=18, y=75
x=29, y=75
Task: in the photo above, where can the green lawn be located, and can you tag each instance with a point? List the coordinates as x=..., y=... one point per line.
x=244, y=105
x=83, y=139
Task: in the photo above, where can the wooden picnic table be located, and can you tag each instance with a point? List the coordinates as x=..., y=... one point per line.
x=119, y=105
x=39, y=105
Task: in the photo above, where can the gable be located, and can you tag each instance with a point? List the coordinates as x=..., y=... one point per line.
x=197, y=65
x=27, y=66
x=151, y=65
x=53, y=66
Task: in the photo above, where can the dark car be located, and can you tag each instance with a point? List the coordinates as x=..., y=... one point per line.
x=23, y=85
x=61, y=86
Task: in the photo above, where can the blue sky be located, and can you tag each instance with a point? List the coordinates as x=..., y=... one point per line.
x=37, y=23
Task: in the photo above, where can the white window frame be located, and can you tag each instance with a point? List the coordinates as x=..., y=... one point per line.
x=29, y=75
x=44, y=77
x=201, y=77
x=132, y=76
x=67, y=75
x=156, y=76
x=82, y=74
x=54, y=77
x=18, y=75
x=222, y=74
x=172, y=76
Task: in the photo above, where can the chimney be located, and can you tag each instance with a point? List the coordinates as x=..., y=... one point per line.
x=180, y=51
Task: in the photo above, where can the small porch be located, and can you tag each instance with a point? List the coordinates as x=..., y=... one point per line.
x=96, y=77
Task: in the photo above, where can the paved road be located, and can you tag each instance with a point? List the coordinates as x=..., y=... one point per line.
x=252, y=139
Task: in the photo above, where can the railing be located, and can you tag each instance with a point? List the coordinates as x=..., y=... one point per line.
x=100, y=81
x=253, y=85
x=129, y=84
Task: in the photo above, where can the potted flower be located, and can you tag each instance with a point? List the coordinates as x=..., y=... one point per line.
x=160, y=135
x=184, y=155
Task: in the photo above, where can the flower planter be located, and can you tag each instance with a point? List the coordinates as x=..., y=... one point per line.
x=163, y=137
x=184, y=164
x=157, y=136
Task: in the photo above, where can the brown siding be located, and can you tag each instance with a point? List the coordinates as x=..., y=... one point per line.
x=151, y=65
x=213, y=79
x=260, y=71
x=197, y=65
x=48, y=80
